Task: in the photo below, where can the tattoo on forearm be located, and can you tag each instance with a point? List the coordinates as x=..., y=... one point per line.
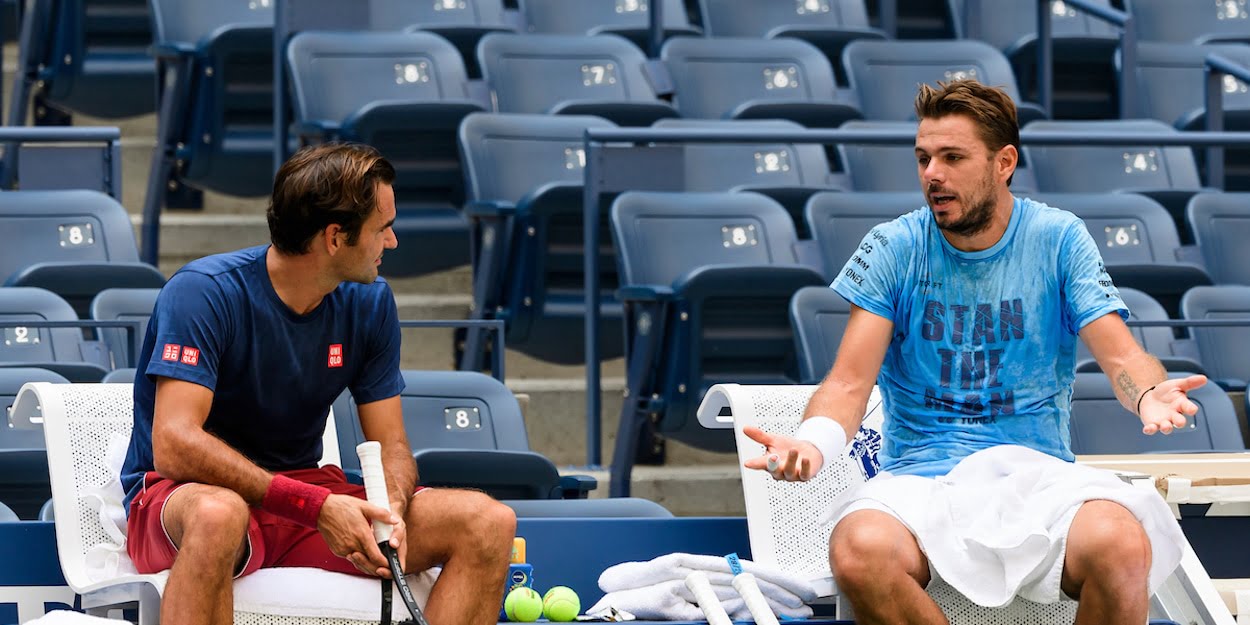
x=1127, y=386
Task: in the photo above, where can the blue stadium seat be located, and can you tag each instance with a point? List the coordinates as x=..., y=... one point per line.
x=1138, y=242
x=570, y=75
x=706, y=280
x=461, y=22
x=84, y=56
x=124, y=305
x=74, y=243
x=7, y=515
x=818, y=316
x=1175, y=355
x=828, y=24
x=739, y=78
x=1191, y=22
x=1101, y=425
x=1168, y=175
x=466, y=431
x=61, y=350
x=786, y=172
x=1223, y=350
x=840, y=221
x=1171, y=83
x=524, y=176
x=405, y=94
x=24, y=482
x=884, y=74
x=627, y=18
x=120, y=376
x=215, y=98
x=1221, y=226
x=1084, y=85
x=916, y=19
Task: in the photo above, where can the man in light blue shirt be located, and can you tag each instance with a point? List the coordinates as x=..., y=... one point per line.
x=966, y=313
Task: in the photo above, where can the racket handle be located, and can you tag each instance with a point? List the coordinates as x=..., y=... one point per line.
x=701, y=587
x=370, y=453
x=745, y=584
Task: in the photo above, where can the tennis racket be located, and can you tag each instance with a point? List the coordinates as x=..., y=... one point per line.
x=370, y=453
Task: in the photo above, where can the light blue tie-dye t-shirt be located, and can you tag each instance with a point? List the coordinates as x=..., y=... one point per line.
x=984, y=342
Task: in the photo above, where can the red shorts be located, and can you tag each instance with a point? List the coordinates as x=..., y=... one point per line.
x=272, y=540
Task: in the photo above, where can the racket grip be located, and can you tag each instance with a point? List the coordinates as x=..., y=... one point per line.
x=699, y=585
x=370, y=453
x=745, y=584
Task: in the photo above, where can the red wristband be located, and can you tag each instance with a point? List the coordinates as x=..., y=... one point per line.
x=295, y=500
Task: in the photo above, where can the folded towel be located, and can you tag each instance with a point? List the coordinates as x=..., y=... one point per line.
x=672, y=601
x=778, y=586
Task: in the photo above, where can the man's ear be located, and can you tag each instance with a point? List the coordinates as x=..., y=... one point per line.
x=1006, y=161
x=331, y=240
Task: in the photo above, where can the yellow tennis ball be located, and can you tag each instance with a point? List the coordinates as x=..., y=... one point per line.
x=561, y=604
x=523, y=605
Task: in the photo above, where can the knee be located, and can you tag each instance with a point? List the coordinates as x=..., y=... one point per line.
x=218, y=518
x=492, y=526
x=1112, y=546
x=859, y=553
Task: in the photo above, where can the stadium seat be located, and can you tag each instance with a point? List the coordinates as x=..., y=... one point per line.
x=61, y=350
x=1221, y=226
x=916, y=19
x=1185, y=22
x=466, y=431
x=1100, y=424
x=827, y=24
x=818, y=316
x=740, y=78
x=74, y=243
x=7, y=515
x=124, y=305
x=1176, y=355
x=461, y=22
x=524, y=176
x=1083, y=61
x=1223, y=350
x=120, y=376
x=880, y=167
x=1171, y=85
x=83, y=56
x=1168, y=175
x=215, y=98
x=570, y=75
x=884, y=74
x=23, y=459
x=706, y=279
x=627, y=18
x=1138, y=243
x=405, y=94
x=840, y=221
x=786, y=172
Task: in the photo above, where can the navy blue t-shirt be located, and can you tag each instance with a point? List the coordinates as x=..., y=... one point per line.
x=274, y=373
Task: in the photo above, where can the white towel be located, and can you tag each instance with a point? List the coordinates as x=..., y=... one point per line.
x=672, y=601
x=780, y=587
x=996, y=526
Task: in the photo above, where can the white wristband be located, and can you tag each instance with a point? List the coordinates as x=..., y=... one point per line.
x=826, y=434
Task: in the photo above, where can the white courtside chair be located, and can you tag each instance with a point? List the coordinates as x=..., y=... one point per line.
x=789, y=529
x=81, y=423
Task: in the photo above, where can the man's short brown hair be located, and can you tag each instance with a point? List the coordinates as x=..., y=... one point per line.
x=989, y=107
x=333, y=183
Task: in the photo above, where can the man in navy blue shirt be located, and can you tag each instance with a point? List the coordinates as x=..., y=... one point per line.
x=244, y=354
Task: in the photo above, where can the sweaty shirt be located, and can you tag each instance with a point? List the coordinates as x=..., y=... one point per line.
x=219, y=323
x=983, y=352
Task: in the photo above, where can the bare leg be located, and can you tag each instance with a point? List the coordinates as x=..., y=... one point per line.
x=880, y=569
x=470, y=534
x=208, y=524
x=1107, y=565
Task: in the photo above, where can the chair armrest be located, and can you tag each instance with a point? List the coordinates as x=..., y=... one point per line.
x=645, y=293
x=577, y=486
x=489, y=209
x=170, y=50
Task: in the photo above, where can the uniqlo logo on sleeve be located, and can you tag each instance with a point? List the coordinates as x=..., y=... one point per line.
x=336, y=356
x=190, y=356
x=171, y=352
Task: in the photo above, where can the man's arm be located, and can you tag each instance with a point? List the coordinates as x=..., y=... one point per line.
x=383, y=421
x=842, y=396
x=1139, y=380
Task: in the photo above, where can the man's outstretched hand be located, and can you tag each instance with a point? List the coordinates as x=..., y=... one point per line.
x=792, y=460
x=1167, y=406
